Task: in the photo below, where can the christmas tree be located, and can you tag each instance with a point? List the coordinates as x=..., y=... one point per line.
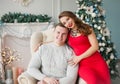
x=92, y=13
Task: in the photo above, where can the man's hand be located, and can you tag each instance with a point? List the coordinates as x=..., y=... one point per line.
x=37, y=46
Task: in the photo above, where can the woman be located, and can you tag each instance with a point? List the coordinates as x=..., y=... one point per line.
x=92, y=67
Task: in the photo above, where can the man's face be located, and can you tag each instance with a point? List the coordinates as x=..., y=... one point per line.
x=60, y=35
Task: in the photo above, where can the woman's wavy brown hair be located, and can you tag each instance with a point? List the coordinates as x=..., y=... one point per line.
x=83, y=28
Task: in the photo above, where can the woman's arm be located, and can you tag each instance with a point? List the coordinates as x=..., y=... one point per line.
x=94, y=46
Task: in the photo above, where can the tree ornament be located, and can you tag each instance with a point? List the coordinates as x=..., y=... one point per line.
x=112, y=72
x=106, y=32
x=111, y=56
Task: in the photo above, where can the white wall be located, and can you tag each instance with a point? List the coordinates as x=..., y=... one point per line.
x=113, y=21
x=50, y=7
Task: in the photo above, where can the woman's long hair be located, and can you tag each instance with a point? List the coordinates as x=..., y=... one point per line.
x=83, y=28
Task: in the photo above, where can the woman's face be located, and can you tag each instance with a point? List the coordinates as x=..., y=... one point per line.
x=67, y=22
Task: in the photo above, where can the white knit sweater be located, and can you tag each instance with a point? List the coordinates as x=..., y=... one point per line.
x=51, y=60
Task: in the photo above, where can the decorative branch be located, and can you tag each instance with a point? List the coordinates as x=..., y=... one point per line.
x=8, y=57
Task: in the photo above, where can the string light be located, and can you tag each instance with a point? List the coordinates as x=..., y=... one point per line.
x=8, y=56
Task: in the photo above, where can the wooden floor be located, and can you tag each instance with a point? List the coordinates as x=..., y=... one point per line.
x=117, y=80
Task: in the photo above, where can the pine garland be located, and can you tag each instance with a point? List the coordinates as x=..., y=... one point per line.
x=24, y=18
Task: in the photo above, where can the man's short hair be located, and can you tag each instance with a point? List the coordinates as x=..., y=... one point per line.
x=60, y=24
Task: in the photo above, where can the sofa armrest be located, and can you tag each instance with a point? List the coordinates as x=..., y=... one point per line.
x=40, y=37
x=35, y=39
x=25, y=78
x=48, y=35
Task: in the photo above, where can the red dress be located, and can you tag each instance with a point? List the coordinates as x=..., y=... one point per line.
x=92, y=69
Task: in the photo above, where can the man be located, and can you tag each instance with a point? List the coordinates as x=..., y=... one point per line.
x=49, y=65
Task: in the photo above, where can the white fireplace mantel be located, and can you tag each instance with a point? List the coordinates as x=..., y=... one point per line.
x=23, y=30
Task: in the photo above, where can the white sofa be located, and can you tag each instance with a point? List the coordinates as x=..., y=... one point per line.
x=36, y=38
